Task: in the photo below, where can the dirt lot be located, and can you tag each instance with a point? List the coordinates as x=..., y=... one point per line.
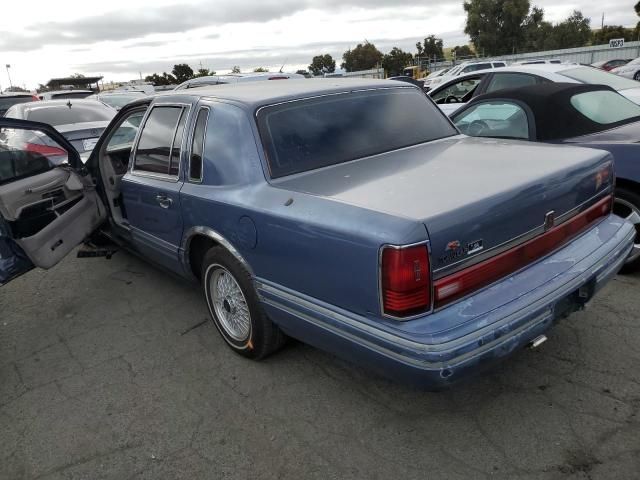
x=108, y=371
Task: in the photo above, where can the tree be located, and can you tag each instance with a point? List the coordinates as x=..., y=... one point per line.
x=463, y=51
x=536, y=31
x=302, y=72
x=575, y=31
x=321, y=64
x=431, y=47
x=164, y=79
x=364, y=57
x=204, y=72
x=606, y=33
x=76, y=75
x=395, y=61
x=182, y=72
x=235, y=69
x=260, y=69
x=496, y=26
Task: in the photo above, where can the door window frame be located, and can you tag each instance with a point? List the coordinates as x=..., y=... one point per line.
x=191, y=138
x=186, y=109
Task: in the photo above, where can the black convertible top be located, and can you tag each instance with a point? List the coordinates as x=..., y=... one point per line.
x=550, y=104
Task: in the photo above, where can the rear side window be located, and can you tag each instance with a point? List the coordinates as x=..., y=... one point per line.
x=307, y=134
x=605, y=107
x=158, y=150
x=197, y=146
x=60, y=96
x=500, y=81
x=477, y=66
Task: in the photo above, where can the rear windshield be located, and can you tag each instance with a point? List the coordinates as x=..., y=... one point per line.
x=62, y=96
x=605, y=107
x=118, y=101
x=63, y=115
x=595, y=76
x=308, y=134
x=6, y=102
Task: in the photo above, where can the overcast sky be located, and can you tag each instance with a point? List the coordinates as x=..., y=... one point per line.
x=120, y=38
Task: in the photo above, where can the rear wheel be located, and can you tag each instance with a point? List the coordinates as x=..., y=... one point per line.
x=637, y=76
x=234, y=306
x=627, y=205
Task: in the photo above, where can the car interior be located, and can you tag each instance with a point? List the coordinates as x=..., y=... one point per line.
x=49, y=207
x=113, y=160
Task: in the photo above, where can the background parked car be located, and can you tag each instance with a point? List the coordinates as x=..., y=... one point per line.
x=586, y=115
x=434, y=78
x=80, y=121
x=451, y=95
x=629, y=70
x=11, y=98
x=61, y=94
x=117, y=100
x=609, y=65
x=537, y=61
x=237, y=78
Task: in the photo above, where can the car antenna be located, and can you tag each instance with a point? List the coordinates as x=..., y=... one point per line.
x=285, y=62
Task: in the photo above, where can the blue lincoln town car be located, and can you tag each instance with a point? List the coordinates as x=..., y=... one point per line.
x=349, y=214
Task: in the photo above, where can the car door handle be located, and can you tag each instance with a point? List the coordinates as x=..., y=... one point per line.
x=163, y=200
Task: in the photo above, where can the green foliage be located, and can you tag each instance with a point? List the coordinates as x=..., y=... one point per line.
x=260, y=69
x=182, y=72
x=164, y=79
x=235, y=69
x=395, y=61
x=495, y=26
x=609, y=32
x=499, y=27
x=463, y=51
x=321, y=64
x=430, y=47
x=364, y=57
x=575, y=31
x=204, y=72
x=302, y=72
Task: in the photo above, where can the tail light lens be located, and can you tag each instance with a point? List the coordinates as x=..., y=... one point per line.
x=405, y=280
x=459, y=284
x=46, y=150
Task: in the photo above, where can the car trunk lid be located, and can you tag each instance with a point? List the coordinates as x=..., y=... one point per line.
x=475, y=196
x=83, y=136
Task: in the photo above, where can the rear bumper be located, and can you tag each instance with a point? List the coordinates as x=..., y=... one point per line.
x=461, y=339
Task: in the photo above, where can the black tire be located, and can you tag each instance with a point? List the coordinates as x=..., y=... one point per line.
x=626, y=204
x=263, y=336
x=636, y=76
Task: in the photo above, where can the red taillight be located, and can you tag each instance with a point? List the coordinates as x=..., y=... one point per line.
x=457, y=285
x=35, y=98
x=45, y=150
x=405, y=280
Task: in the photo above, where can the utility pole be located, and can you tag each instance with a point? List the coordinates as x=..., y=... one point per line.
x=8, y=75
x=602, y=25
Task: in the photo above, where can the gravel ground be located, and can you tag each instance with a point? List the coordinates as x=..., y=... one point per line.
x=109, y=369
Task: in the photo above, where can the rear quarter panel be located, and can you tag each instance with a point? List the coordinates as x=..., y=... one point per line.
x=319, y=247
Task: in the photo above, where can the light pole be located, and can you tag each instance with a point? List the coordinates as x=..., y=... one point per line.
x=8, y=75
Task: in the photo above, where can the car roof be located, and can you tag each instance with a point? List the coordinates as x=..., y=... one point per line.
x=65, y=91
x=58, y=103
x=16, y=94
x=258, y=94
x=550, y=104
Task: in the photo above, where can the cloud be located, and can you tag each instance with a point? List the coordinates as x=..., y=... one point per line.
x=276, y=55
x=122, y=25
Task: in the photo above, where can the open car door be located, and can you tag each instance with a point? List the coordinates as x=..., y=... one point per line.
x=48, y=202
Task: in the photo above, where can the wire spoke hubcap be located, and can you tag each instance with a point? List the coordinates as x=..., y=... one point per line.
x=229, y=304
x=630, y=212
